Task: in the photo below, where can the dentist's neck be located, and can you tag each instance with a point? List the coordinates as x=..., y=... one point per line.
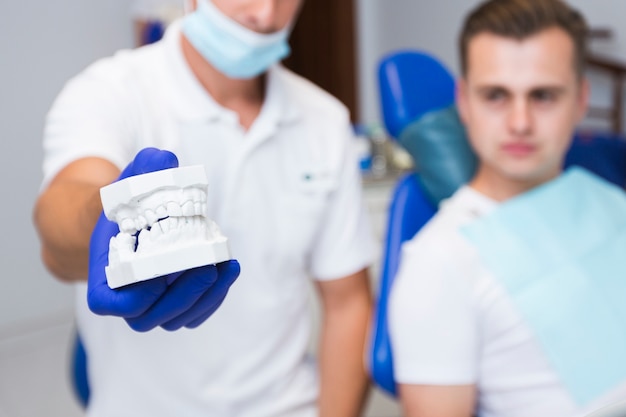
x=245, y=97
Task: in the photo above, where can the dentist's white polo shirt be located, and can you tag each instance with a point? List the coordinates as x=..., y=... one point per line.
x=287, y=195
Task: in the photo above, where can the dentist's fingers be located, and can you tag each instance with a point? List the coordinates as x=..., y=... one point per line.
x=181, y=296
x=149, y=160
x=227, y=273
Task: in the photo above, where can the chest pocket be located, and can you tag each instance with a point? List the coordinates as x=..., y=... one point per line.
x=302, y=212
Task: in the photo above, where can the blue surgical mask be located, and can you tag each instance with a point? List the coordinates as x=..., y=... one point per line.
x=233, y=49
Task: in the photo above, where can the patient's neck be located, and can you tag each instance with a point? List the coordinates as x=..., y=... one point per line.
x=501, y=187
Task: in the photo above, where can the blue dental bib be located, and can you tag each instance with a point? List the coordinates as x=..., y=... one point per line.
x=560, y=252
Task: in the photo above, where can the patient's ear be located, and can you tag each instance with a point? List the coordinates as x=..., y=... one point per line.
x=461, y=99
x=583, y=99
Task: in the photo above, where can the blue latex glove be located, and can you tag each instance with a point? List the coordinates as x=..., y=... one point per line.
x=181, y=299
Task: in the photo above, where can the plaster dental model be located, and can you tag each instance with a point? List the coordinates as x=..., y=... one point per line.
x=163, y=225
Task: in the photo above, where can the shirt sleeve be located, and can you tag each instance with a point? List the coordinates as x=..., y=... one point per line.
x=345, y=244
x=89, y=118
x=432, y=321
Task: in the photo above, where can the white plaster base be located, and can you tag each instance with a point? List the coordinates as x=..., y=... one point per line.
x=143, y=268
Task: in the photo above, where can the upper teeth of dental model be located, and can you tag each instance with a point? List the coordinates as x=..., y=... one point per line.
x=163, y=225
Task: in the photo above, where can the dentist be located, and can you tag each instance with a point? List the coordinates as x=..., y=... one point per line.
x=283, y=186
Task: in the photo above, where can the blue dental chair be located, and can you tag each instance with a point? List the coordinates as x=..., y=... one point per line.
x=412, y=83
x=78, y=375
x=443, y=161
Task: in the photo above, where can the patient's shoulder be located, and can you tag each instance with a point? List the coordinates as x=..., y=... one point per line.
x=440, y=248
x=463, y=207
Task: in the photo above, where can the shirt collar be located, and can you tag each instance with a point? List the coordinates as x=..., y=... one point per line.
x=480, y=203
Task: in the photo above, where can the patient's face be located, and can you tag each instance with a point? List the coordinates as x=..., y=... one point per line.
x=520, y=102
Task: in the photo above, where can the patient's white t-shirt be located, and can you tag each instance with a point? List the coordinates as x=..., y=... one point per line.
x=452, y=323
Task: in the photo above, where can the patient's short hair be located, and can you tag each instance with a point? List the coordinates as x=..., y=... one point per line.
x=520, y=19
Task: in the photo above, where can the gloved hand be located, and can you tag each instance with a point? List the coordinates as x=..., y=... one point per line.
x=181, y=299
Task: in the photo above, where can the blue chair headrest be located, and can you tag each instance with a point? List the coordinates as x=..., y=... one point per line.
x=412, y=83
x=441, y=153
x=603, y=153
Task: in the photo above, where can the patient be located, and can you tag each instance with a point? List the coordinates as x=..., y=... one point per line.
x=508, y=302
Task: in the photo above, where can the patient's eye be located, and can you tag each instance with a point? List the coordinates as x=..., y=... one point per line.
x=544, y=95
x=494, y=95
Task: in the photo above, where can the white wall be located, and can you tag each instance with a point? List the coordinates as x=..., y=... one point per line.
x=607, y=14
x=42, y=44
x=387, y=25
x=610, y=14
